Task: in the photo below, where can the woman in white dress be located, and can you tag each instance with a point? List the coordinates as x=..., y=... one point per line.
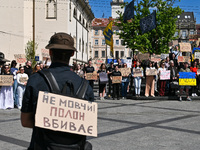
x=6, y=92
x=21, y=80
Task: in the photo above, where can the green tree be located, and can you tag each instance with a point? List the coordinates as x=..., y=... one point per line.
x=30, y=53
x=155, y=41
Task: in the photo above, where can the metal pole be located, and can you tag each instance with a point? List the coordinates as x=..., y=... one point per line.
x=33, y=25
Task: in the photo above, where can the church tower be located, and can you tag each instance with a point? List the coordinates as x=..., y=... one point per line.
x=115, y=6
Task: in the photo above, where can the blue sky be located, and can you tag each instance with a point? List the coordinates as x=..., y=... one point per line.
x=100, y=7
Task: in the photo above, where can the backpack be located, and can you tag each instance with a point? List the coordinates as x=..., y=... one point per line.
x=51, y=136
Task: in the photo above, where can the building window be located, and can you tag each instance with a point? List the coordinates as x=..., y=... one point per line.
x=96, y=32
x=122, y=54
x=176, y=34
x=191, y=32
x=116, y=54
x=103, y=42
x=183, y=34
x=96, y=54
x=75, y=13
x=188, y=16
x=96, y=42
x=51, y=7
x=80, y=18
x=122, y=42
x=79, y=44
x=103, y=54
x=117, y=42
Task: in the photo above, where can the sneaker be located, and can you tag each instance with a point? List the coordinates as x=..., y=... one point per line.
x=180, y=98
x=189, y=99
x=195, y=94
x=153, y=95
x=118, y=98
x=146, y=95
x=123, y=98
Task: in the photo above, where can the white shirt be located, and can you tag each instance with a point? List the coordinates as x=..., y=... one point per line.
x=19, y=75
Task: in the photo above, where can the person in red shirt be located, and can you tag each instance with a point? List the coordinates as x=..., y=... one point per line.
x=194, y=68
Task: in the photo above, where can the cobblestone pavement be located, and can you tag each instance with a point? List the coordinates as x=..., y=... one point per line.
x=125, y=125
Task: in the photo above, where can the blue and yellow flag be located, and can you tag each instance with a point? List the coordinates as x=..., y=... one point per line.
x=108, y=33
x=187, y=79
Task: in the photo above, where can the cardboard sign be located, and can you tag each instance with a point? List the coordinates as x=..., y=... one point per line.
x=125, y=71
x=66, y=114
x=137, y=72
x=142, y=57
x=20, y=58
x=45, y=53
x=165, y=75
x=6, y=80
x=185, y=47
x=155, y=58
x=187, y=79
x=23, y=79
x=164, y=56
x=116, y=79
x=151, y=72
x=198, y=72
x=91, y=76
x=197, y=55
x=184, y=59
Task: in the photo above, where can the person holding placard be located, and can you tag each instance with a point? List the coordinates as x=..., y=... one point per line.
x=103, y=79
x=150, y=81
x=61, y=49
x=162, y=83
x=6, y=92
x=185, y=69
x=109, y=72
x=173, y=78
x=194, y=69
x=125, y=82
x=138, y=79
x=22, y=79
x=90, y=69
x=28, y=69
x=116, y=86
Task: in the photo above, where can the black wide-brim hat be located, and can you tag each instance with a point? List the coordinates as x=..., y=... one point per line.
x=2, y=58
x=61, y=41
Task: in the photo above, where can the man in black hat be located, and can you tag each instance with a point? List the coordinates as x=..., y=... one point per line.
x=61, y=48
x=2, y=59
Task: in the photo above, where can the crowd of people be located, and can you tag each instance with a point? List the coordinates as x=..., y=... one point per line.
x=11, y=96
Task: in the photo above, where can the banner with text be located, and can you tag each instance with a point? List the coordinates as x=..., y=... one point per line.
x=125, y=71
x=185, y=47
x=142, y=57
x=91, y=76
x=155, y=58
x=66, y=114
x=137, y=72
x=116, y=79
x=20, y=58
x=151, y=72
x=184, y=59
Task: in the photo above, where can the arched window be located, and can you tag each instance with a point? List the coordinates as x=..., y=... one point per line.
x=51, y=9
x=75, y=13
x=80, y=18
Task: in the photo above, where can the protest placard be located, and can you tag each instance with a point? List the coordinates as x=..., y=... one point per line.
x=45, y=53
x=6, y=80
x=197, y=55
x=187, y=79
x=184, y=59
x=103, y=77
x=185, y=47
x=155, y=58
x=165, y=75
x=198, y=72
x=142, y=57
x=66, y=114
x=137, y=72
x=151, y=72
x=125, y=71
x=23, y=79
x=91, y=76
x=116, y=79
x=164, y=56
x=20, y=58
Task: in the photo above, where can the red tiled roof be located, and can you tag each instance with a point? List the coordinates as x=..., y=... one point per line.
x=101, y=22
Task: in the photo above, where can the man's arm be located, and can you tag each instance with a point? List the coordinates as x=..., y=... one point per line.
x=27, y=120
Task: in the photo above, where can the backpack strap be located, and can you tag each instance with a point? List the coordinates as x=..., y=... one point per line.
x=82, y=89
x=50, y=80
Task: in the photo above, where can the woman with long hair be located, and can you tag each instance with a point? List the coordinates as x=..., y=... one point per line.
x=138, y=79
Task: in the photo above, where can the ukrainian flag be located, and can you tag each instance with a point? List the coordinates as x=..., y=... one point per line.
x=108, y=34
x=187, y=79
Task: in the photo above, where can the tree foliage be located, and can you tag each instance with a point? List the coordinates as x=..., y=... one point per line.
x=155, y=41
x=30, y=53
